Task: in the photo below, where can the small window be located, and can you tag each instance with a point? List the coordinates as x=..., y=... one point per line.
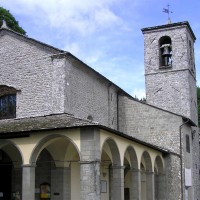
x=90, y=117
x=191, y=57
x=8, y=106
x=165, y=45
x=188, y=143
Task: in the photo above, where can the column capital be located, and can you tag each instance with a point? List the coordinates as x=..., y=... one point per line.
x=84, y=162
x=117, y=167
x=134, y=169
x=28, y=165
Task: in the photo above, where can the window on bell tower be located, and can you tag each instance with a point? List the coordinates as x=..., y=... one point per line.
x=165, y=46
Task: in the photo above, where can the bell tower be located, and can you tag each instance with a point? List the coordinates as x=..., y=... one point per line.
x=170, y=75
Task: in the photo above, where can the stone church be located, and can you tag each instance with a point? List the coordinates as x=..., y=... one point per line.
x=69, y=133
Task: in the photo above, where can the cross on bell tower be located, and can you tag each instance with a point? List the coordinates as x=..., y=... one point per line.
x=167, y=10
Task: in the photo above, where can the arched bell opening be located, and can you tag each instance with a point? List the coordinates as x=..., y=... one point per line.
x=165, y=45
x=10, y=171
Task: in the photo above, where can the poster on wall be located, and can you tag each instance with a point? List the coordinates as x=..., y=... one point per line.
x=103, y=186
x=45, y=191
x=188, y=177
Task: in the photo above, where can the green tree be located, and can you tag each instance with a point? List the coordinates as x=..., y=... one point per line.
x=10, y=21
x=198, y=102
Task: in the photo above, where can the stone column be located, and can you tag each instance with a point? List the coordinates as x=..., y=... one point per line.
x=135, y=190
x=90, y=163
x=90, y=180
x=161, y=187
x=28, y=182
x=117, y=183
x=150, y=185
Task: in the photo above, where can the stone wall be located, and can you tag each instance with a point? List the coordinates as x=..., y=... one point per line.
x=89, y=95
x=27, y=67
x=166, y=130
x=149, y=123
x=51, y=82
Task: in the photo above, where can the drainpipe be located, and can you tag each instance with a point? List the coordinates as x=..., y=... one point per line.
x=117, y=110
x=181, y=156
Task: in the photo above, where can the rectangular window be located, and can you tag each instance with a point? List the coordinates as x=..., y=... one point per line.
x=188, y=143
x=8, y=106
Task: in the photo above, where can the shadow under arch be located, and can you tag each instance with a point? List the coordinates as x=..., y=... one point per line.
x=11, y=161
x=133, y=157
x=57, y=163
x=130, y=173
x=147, y=177
x=158, y=164
x=147, y=161
x=13, y=152
x=116, y=160
x=111, y=169
x=48, y=140
x=159, y=178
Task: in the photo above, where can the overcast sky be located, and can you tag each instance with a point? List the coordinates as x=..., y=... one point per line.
x=105, y=34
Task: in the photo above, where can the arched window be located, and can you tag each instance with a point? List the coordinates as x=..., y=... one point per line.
x=7, y=102
x=165, y=45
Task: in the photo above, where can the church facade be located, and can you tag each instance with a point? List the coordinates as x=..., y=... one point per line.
x=67, y=132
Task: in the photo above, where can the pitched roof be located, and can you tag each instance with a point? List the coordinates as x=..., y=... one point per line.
x=24, y=127
x=57, y=121
x=5, y=30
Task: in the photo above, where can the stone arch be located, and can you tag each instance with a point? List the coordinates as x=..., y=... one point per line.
x=57, y=159
x=133, y=158
x=165, y=51
x=13, y=152
x=114, y=151
x=47, y=141
x=147, y=187
x=4, y=90
x=159, y=178
x=147, y=161
x=110, y=168
x=131, y=178
x=158, y=164
x=11, y=161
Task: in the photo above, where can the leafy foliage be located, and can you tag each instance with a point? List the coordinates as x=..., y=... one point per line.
x=142, y=99
x=198, y=102
x=10, y=21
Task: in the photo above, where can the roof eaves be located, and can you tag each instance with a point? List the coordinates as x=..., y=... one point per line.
x=25, y=37
x=120, y=90
x=169, y=26
x=183, y=117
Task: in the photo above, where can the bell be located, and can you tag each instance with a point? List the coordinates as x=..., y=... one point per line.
x=166, y=50
x=166, y=54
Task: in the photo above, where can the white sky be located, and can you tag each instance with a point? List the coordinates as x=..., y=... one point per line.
x=105, y=34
